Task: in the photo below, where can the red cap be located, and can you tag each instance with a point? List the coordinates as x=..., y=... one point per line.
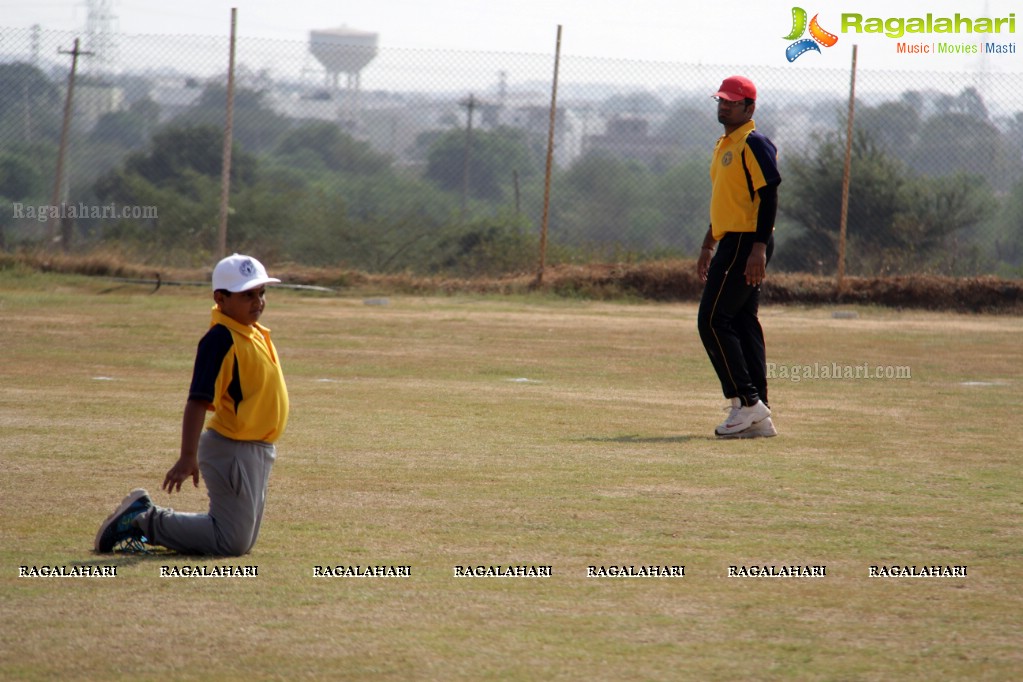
x=735, y=88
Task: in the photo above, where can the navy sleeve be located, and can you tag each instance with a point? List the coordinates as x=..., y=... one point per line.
x=767, y=212
x=213, y=348
x=767, y=156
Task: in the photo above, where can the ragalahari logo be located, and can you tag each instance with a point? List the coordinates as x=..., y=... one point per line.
x=817, y=36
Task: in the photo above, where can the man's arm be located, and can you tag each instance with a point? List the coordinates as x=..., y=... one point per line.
x=756, y=264
x=706, y=252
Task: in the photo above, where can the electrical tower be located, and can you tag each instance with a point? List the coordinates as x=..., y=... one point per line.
x=100, y=30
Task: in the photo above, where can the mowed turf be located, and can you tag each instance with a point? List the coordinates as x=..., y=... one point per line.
x=443, y=432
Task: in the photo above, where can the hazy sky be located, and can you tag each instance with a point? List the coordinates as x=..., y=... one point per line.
x=687, y=31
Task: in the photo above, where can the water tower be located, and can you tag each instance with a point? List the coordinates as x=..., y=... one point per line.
x=343, y=51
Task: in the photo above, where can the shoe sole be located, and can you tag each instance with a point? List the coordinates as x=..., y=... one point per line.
x=132, y=497
x=755, y=430
x=735, y=433
x=746, y=434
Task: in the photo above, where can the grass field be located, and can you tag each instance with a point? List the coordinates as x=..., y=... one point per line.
x=459, y=431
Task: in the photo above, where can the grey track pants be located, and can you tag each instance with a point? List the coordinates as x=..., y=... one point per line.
x=236, y=474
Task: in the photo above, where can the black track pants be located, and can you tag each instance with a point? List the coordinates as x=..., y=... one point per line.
x=728, y=322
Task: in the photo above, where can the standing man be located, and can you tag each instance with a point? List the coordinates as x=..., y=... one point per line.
x=744, y=201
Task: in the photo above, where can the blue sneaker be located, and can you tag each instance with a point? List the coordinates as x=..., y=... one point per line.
x=117, y=533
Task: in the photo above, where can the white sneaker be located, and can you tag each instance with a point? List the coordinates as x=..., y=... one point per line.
x=741, y=418
x=762, y=429
x=733, y=414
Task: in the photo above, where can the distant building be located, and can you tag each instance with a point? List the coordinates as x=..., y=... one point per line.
x=535, y=120
x=175, y=95
x=627, y=137
x=93, y=100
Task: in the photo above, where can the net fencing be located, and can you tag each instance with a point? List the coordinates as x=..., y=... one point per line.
x=384, y=160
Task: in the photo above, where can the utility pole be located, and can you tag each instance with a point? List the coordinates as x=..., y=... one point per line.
x=62, y=150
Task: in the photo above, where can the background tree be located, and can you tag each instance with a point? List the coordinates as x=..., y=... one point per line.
x=30, y=104
x=20, y=181
x=682, y=197
x=174, y=152
x=257, y=128
x=327, y=146
x=961, y=142
x=896, y=221
x=933, y=229
x=605, y=200
x=130, y=128
x=495, y=156
x=894, y=125
x=179, y=174
x=1007, y=226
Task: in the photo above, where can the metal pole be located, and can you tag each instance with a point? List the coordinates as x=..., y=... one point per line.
x=843, y=220
x=225, y=174
x=518, y=193
x=550, y=157
x=470, y=104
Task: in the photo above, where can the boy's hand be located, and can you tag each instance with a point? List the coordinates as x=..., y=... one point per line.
x=187, y=465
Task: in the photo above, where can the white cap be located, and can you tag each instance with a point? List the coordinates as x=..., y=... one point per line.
x=240, y=273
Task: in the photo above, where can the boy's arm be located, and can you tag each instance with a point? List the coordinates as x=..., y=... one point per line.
x=188, y=462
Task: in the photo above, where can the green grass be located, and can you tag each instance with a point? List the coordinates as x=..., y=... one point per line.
x=436, y=432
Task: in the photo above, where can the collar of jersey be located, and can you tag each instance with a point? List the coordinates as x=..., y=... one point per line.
x=217, y=317
x=742, y=131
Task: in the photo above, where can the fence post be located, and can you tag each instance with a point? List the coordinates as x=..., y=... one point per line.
x=470, y=105
x=225, y=173
x=550, y=155
x=844, y=218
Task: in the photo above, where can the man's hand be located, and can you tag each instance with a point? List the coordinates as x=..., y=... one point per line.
x=703, y=263
x=186, y=466
x=756, y=265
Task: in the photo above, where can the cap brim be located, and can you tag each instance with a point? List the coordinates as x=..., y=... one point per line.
x=730, y=96
x=252, y=284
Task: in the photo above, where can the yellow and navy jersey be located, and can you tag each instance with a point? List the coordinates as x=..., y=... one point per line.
x=237, y=372
x=744, y=162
